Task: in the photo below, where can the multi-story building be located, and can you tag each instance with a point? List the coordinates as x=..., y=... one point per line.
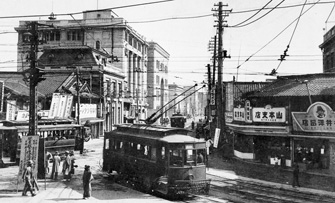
x=157, y=78
x=328, y=51
x=117, y=56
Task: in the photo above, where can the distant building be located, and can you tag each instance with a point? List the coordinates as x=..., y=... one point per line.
x=157, y=79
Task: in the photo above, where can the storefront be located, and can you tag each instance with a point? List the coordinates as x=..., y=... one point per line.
x=314, y=140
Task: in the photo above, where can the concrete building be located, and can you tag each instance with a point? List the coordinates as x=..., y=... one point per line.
x=328, y=51
x=157, y=79
x=119, y=60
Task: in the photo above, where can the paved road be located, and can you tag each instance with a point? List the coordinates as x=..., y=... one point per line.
x=68, y=192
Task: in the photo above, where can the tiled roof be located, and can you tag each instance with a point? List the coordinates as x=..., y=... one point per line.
x=287, y=86
x=14, y=81
x=67, y=56
x=52, y=83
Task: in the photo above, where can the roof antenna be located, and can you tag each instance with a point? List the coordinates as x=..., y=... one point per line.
x=52, y=15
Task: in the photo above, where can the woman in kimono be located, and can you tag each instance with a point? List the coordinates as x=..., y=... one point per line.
x=87, y=179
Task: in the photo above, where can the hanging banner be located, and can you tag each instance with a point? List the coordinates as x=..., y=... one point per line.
x=319, y=117
x=68, y=108
x=62, y=106
x=216, y=137
x=11, y=108
x=29, y=151
x=54, y=105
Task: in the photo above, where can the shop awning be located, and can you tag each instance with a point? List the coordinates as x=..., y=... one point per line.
x=91, y=120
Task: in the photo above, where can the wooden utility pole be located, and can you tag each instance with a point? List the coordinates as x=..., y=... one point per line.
x=32, y=79
x=220, y=104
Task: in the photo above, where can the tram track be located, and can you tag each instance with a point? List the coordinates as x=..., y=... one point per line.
x=236, y=189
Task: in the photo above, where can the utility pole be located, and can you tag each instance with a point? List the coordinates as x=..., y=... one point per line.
x=209, y=92
x=32, y=79
x=220, y=104
x=78, y=96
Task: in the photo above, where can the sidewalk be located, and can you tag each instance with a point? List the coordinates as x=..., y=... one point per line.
x=271, y=175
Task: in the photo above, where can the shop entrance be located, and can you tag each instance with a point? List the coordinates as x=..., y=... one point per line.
x=272, y=150
x=314, y=153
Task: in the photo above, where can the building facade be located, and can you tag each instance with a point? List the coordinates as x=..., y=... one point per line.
x=119, y=57
x=157, y=79
x=290, y=120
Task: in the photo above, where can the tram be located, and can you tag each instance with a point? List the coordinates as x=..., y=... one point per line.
x=178, y=120
x=154, y=158
x=58, y=137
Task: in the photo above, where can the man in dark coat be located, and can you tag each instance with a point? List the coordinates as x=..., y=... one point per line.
x=29, y=179
x=87, y=179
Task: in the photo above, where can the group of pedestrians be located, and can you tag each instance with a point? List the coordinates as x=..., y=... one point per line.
x=67, y=166
x=67, y=170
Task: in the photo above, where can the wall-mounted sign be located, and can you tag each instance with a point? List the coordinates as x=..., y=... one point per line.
x=87, y=111
x=239, y=114
x=319, y=117
x=229, y=117
x=269, y=114
x=11, y=109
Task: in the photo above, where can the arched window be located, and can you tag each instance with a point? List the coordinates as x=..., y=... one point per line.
x=97, y=45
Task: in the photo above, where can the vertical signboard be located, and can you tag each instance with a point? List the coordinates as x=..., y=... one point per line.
x=11, y=108
x=54, y=105
x=68, y=107
x=216, y=137
x=62, y=106
x=29, y=151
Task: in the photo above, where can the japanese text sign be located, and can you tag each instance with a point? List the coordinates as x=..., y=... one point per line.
x=318, y=118
x=268, y=114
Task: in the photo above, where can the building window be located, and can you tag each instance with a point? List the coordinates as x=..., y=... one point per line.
x=97, y=45
x=157, y=64
x=74, y=35
x=157, y=80
x=52, y=35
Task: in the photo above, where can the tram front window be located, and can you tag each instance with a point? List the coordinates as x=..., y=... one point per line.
x=176, y=158
x=190, y=157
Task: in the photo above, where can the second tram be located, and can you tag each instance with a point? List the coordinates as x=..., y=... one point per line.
x=160, y=159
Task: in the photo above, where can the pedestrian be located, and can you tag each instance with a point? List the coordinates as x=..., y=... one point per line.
x=55, y=166
x=72, y=162
x=46, y=159
x=87, y=179
x=192, y=124
x=295, y=181
x=67, y=166
x=28, y=179
x=200, y=158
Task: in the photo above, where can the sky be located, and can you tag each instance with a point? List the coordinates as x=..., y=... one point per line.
x=184, y=29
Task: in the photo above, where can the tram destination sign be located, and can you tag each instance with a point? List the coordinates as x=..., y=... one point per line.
x=319, y=117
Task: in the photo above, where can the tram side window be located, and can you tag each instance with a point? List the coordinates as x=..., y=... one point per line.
x=107, y=144
x=163, y=153
x=190, y=156
x=176, y=158
x=118, y=146
x=153, y=154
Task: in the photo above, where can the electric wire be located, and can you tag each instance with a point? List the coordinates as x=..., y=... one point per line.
x=253, y=14
x=252, y=55
x=282, y=57
x=238, y=26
